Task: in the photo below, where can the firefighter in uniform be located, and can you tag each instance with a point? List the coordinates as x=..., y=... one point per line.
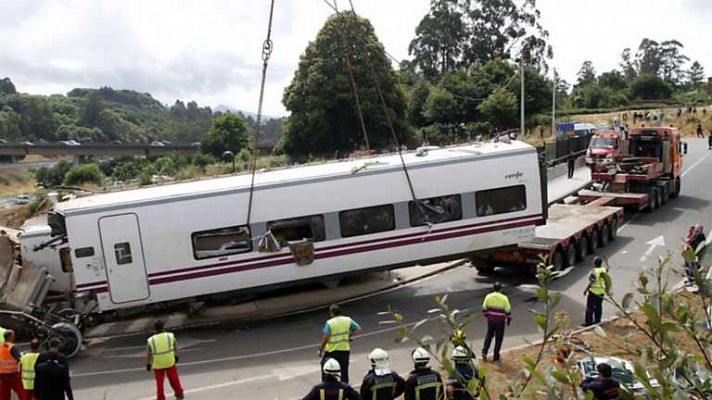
x=599, y=283
x=466, y=372
x=9, y=367
x=497, y=310
x=336, y=340
x=380, y=383
x=423, y=383
x=162, y=356
x=27, y=369
x=331, y=388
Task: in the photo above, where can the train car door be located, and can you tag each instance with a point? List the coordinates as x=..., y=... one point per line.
x=123, y=258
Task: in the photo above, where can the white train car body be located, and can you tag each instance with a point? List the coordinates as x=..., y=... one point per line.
x=186, y=240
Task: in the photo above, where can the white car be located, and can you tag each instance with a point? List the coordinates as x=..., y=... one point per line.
x=22, y=199
x=623, y=372
x=71, y=143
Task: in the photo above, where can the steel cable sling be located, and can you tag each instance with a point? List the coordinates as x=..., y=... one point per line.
x=266, y=53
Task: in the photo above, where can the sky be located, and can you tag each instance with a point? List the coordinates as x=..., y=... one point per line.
x=210, y=50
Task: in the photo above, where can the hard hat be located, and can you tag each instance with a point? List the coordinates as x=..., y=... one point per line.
x=420, y=355
x=331, y=367
x=597, y=261
x=460, y=353
x=379, y=358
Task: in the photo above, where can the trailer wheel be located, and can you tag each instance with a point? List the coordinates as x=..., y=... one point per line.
x=613, y=232
x=666, y=194
x=582, y=248
x=676, y=184
x=593, y=242
x=571, y=255
x=604, y=235
x=483, y=267
x=659, y=196
x=652, y=198
x=558, y=260
x=70, y=338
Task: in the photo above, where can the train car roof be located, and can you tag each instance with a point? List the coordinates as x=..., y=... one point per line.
x=301, y=173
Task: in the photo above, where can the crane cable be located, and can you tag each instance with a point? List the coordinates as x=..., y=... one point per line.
x=267, y=46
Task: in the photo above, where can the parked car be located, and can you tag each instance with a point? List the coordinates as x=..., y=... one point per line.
x=623, y=372
x=196, y=144
x=115, y=142
x=71, y=143
x=3, y=141
x=166, y=142
x=28, y=143
x=22, y=199
x=157, y=143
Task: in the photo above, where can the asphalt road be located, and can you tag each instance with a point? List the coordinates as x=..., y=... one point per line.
x=277, y=359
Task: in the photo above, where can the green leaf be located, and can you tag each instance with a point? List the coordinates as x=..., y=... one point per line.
x=560, y=377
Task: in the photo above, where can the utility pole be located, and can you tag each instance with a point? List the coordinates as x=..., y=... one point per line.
x=553, y=106
x=521, y=106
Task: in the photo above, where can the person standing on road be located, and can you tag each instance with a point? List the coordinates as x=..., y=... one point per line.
x=336, y=339
x=330, y=387
x=498, y=311
x=54, y=343
x=695, y=237
x=423, y=383
x=699, y=130
x=599, y=283
x=571, y=163
x=458, y=386
x=380, y=383
x=162, y=356
x=9, y=366
x=28, y=361
x=52, y=381
x=603, y=387
x=709, y=141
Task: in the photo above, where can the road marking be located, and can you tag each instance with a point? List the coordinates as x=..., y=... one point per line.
x=694, y=165
x=219, y=385
x=652, y=244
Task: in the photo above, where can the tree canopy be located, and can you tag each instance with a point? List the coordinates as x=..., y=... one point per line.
x=228, y=133
x=324, y=115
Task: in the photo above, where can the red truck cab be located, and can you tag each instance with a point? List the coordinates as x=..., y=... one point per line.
x=603, y=148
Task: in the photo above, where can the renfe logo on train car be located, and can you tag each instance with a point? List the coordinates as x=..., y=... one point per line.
x=515, y=175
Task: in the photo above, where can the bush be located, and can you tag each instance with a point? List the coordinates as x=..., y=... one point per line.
x=202, y=160
x=83, y=174
x=52, y=176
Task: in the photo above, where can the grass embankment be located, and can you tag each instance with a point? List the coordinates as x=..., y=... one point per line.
x=620, y=336
x=16, y=181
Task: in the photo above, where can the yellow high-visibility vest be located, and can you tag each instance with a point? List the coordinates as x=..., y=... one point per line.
x=598, y=287
x=161, y=345
x=497, y=300
x=27, y=364
x=2, y=335
x=340, y=328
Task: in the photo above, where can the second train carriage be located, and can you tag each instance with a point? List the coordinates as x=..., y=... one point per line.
x=188, y=240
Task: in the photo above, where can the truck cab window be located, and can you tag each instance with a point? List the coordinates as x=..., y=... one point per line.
x=300, y=228
x=221, y=242
x=435, y=210
x=501, y=200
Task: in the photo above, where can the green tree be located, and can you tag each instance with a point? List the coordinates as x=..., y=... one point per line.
x=320, y=97
x=613, y=79
x=54, y=175
x=696, y=74
x=586, y=75
x=441, y=106
x=92, y=110
x=628, y=65
x=83, y=174
x=672, y=61
x=6, y=86
x=417, y=99
x=229, y=132
x=439, y=38
x=650, y=87
x=647, y=57
x=500, y=108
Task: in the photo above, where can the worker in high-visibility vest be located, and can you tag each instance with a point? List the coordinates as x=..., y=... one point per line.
x=9, y=368
x=498, y=311
x=162, y=356
x=27, y=369
x=330, y=387
x=2, y=335
x=336, y=340
x=599, y=283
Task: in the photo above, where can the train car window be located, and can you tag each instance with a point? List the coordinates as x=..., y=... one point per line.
x=501, y=200
x=435, y=210
x=221, y=242
x=122, y=251
x=293, y=229
x=363, y=221
x=84, y=252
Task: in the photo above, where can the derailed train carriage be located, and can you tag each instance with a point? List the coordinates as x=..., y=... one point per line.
x=140, y=248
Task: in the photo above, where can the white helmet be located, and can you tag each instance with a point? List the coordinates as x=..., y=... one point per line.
x=460, y=353
x=379, y=358
x=331, y=367
x=420, y=355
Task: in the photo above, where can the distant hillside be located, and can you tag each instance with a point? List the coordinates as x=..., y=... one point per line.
x=105, y=114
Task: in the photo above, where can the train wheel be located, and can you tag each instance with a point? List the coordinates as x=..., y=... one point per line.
x=593, y=242
x=582, y=248
x=70, y=338
x=558, y=260
x=571, y=255
x=604, y=235
x=613, y=231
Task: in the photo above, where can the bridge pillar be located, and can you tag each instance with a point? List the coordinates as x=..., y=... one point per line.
x=78, y=159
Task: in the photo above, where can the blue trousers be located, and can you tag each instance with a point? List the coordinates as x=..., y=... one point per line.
x=594, y=309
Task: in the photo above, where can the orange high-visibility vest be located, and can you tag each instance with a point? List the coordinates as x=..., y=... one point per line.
x=8, y=363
